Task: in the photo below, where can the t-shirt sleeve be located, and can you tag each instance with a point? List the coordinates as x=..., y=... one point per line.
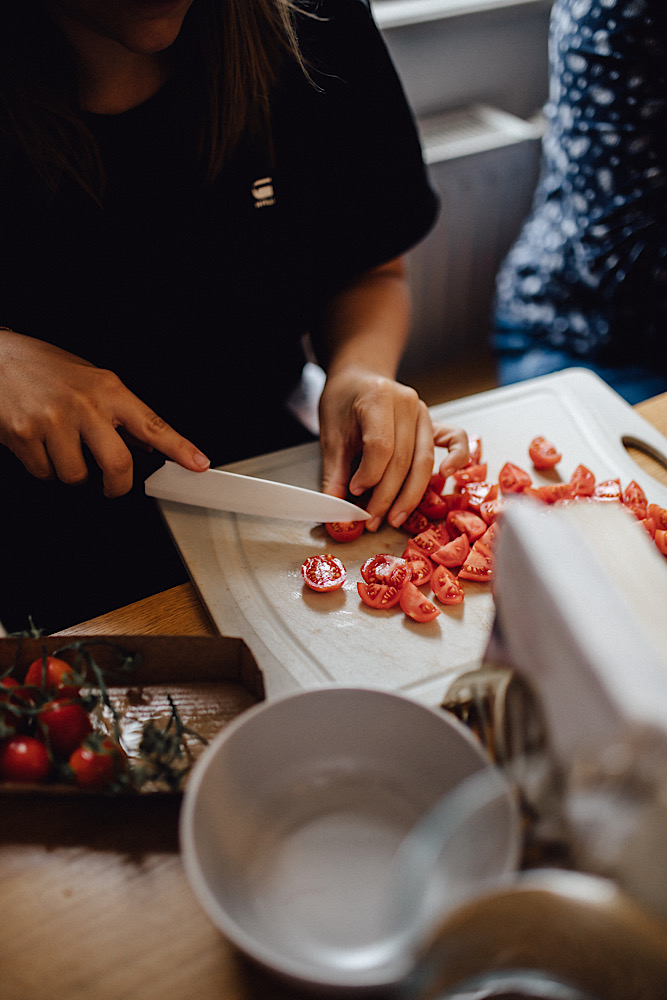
x=373, y=196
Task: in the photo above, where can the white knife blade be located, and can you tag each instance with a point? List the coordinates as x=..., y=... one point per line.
x=220, y=490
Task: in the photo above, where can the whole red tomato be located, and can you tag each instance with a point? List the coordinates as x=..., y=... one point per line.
x=54, y=675
x=65, y=725
x=94, y=769
x=25, y=759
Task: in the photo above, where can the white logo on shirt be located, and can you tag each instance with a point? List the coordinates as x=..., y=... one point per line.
x=262, y=192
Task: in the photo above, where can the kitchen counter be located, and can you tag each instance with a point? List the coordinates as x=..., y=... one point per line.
x=92, y=890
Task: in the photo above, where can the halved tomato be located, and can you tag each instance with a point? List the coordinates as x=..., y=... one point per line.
x=323, y=572
x=378, y=595
x=426, y=542
x=393, y=571
x=543, y=454
x=446, y=587
x=464, y=522
x=454, y=553
x=345, y=531
x=513, y=479
x=416, y=606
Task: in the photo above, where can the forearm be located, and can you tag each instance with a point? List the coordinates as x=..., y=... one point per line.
x=366, y=325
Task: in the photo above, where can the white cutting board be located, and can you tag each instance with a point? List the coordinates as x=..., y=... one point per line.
x=247, y=569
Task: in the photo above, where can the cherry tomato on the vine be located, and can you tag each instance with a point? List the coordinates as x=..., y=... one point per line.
x=65, y=725
x=93, y=769
x=24, y=759
x=54, y=674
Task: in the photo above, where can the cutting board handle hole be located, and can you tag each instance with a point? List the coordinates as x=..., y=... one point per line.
x=633, y=444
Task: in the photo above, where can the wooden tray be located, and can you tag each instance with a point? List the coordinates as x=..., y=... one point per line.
x=211, y=681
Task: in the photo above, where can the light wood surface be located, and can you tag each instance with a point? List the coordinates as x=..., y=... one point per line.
x=94, y=900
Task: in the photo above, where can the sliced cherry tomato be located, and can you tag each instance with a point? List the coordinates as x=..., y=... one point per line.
x=420, y=566
x=426, y=542
x=490, y=509
x=543, y=454
x=323, y=572
x=475, y=448
x=658, y=515
x=454, y=553
x=345, y=531
x=479, y=564
x=608, y=489
x=437, y=482
x=415, y=605
x=513, y=479
x=24, y=758
x=65, y=725
x=446, y=587
x=550, y=492
x=634, y=498
x=432, y=505
x=464, y=522
x=582, y=482
x=378, y=595
x=92, y=768
x=54, y=675
x=660, y=539
x=470, y=474
x=415, y=523
x=384, y=568
x=478, y=493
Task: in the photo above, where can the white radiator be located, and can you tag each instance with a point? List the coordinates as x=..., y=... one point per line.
x=483, y=163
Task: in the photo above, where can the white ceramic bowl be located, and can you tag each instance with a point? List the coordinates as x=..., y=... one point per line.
x=293, y=815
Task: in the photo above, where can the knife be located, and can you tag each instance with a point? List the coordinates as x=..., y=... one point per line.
x=220, y=490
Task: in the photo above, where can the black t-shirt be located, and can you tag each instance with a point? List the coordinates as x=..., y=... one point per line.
x=198, y=296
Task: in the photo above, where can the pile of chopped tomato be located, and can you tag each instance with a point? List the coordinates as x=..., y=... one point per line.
x=453, y=534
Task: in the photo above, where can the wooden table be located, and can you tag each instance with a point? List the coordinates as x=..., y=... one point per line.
x=93, y=896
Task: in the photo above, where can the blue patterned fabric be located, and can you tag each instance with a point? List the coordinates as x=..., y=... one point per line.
x=587, y=277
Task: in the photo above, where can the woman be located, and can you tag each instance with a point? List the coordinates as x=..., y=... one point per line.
x=189, y=187
x=586, y=282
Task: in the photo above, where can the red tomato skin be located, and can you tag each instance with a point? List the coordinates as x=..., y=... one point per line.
x=24, y=759
x=393, y=571
x=416, y=606
x=378, y=595
x=464, y=522
x=582, y=482
x=58, y=677
x=345, y=531
x=475, y=449
x=323, y=573
x=93, y=769
x=513, y=479
x=426, y=542
x=432, y=505
x=454, y=553
x=470, y=474
x=660, y=539
x=543, y=454
x=420, y=566
x=65, y=725
x=446, y=586
x=478, y=567
x=416, y=522
x=658, y=515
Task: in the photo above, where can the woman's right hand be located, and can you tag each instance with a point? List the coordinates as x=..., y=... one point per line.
x=52, y=403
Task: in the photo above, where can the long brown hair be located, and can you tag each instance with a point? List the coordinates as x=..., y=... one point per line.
x=233, y=48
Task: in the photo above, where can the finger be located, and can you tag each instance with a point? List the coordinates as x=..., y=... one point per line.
x=145, y=425
x=35, y=458
x=112, y=456
x=455, y=440
x=419, y=474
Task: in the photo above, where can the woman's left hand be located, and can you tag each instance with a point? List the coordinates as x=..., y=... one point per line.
x=389, y=425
